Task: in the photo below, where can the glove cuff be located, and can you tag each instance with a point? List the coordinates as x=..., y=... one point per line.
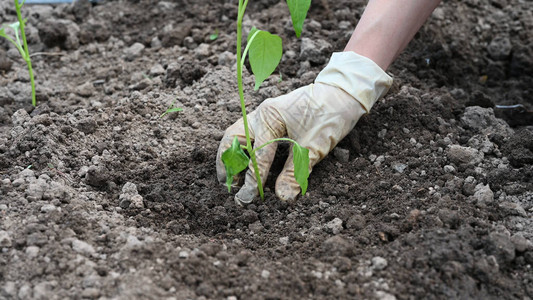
x=358, y=76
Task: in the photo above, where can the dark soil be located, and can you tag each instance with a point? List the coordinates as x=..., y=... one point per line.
x=102, y=198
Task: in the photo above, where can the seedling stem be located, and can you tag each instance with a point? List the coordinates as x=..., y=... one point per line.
x=249, y=148
x=26, y=53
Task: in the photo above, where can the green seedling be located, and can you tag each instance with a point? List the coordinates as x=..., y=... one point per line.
x=171, y=109
x=264, y=53
x=214, y=35
x=146, y=76
x=22, y=47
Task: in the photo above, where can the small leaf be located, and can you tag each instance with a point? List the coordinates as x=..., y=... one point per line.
x=265, y=55
x=15, y=26
x=3, y=32
x=175, y=109
x=235, y=160
x=298, y=10
x=171, y=109
x=301, y=165
x=214, y=36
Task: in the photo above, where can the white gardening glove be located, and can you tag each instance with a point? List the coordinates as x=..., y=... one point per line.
x=316, y=116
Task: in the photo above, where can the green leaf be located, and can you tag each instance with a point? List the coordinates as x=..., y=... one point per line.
x=10, y=39
x=15, y=26
x=298, y=10
x=214, y=36
x=251, y=33
x=235, y=160
x=265, y=55
x=171, y=109
x=175, y=109
x=301, y=165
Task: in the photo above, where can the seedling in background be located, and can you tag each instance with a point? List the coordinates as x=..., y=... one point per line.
x=265, y=51
x=171, y=109
x=22, y=47
x=214, y=36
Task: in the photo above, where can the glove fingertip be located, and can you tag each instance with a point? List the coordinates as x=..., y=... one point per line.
x=287, y=189
x=246, y=195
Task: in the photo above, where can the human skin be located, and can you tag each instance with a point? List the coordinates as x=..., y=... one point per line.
x=387, y=26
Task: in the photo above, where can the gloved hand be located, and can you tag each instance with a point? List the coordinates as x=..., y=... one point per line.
x=316, y=116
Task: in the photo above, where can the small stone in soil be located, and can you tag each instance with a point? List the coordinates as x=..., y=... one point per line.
x=20, y=117
x=334, y=226
x=500, y=48
x=129, y=188
x=183, y=254
x=464, y=155
x=137, y=201
x=133, y=51
x=483, y=194
x=337, y=245
x=343, y=155
x=314, y=50
x=399, y=167
x=226, y=58
x=384, y=296
x=449, y=169
x=90, y=293
x=32, y=251
x=202, y=51
x=521, y=243
x=85, y=90
x=379, y=263
x=82, y=247
x=5, y=239
x=35, y=190
x=256, y=227
x=513, y=209
x=157, y=70
x=125, y=202
x=48, y=208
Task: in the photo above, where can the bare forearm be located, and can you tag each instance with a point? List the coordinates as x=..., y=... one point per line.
x=387, y=26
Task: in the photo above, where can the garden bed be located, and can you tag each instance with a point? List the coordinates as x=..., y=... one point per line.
x=430, y=196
